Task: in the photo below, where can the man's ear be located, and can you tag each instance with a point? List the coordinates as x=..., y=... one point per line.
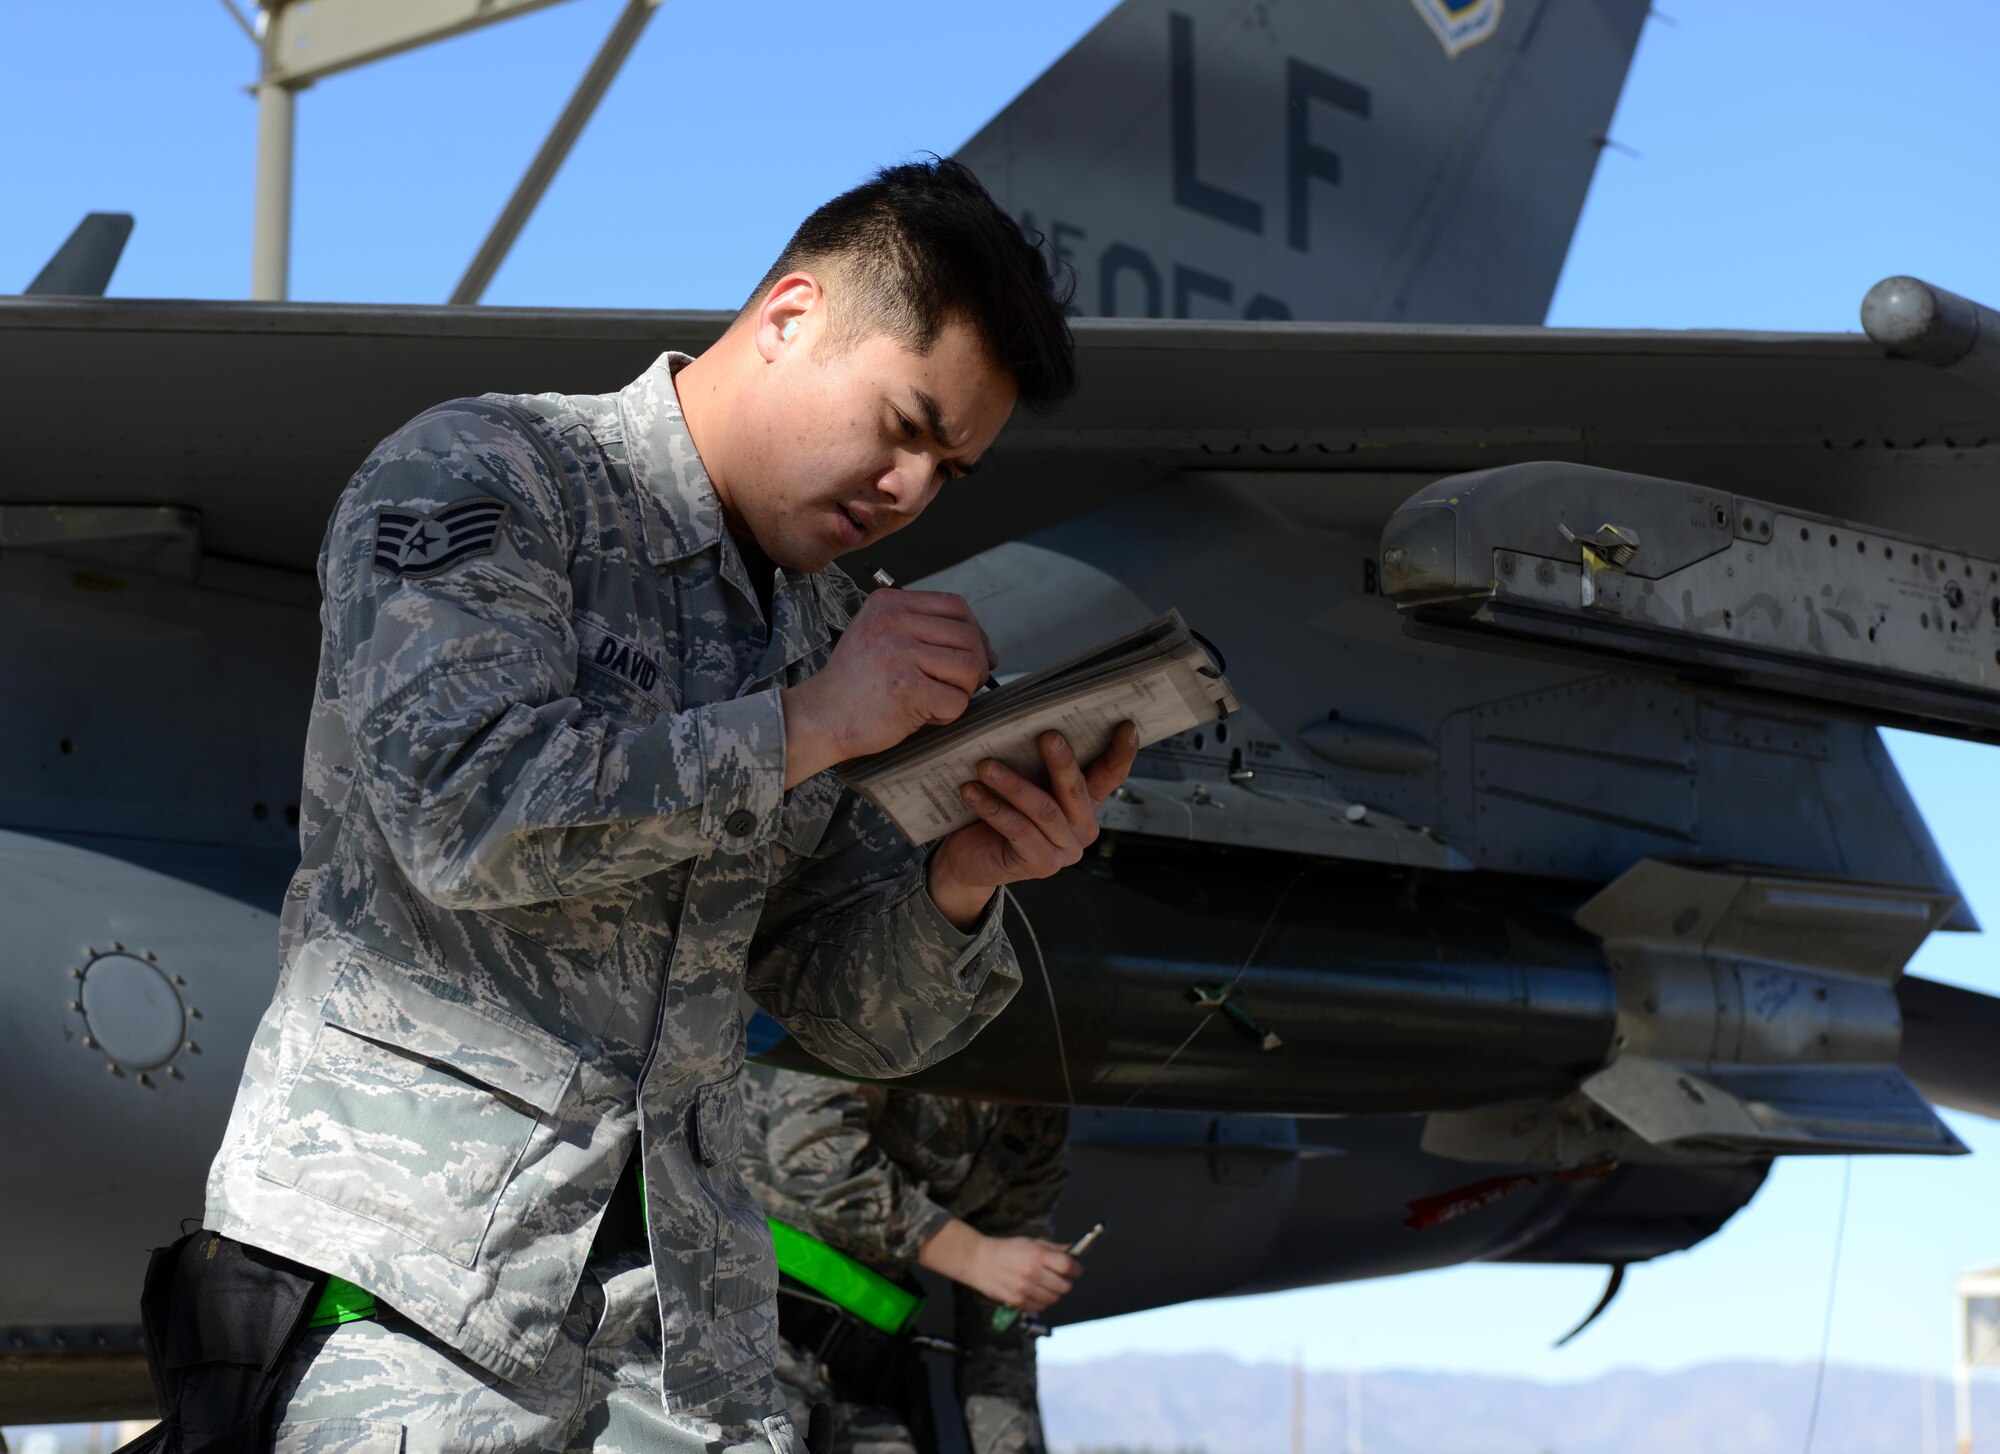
x=792, y=315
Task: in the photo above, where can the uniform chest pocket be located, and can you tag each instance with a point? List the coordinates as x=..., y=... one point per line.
x=417, y=1106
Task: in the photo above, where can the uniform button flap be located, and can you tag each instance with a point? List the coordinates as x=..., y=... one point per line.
x=396, y=1004
x=739, y=823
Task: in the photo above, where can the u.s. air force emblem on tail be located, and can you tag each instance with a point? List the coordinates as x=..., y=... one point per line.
x=1460, y=23
x=413, y=546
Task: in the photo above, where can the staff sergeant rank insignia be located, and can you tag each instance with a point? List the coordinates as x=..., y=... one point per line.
x=413, y=546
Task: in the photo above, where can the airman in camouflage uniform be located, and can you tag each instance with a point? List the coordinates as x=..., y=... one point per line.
x=879, y=1174
x=565, y=804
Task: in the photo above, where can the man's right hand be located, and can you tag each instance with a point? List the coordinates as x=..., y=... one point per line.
x=907, y=659
x=1022, y=1272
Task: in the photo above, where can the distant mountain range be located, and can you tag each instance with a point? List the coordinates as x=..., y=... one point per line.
x=1210, y=1402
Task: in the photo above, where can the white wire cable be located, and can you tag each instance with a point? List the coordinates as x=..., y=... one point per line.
x=1832, y=1284
x=1229, y=989
x=1048, y=985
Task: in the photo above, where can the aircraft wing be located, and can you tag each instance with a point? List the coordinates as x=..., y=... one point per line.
x=1196, y=449
x=255, y=414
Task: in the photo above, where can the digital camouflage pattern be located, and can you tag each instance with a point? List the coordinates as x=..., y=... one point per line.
x=380, y=1386
x=877, y=1172
x=546, y=851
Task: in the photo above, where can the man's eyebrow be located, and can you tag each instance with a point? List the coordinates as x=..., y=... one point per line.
x=933, y=418
x=934, y=425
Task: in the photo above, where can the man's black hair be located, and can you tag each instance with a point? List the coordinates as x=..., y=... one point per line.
x=922, y=243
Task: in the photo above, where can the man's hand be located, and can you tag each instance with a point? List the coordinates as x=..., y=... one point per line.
x=907, y=659
x=1027, y=831
x=1022, y=1272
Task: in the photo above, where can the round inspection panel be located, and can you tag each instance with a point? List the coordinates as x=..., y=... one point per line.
x=134, y=1013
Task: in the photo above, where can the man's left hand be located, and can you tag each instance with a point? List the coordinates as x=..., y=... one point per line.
x=1026, y=831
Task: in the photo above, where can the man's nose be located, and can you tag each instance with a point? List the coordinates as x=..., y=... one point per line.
x=907, y=481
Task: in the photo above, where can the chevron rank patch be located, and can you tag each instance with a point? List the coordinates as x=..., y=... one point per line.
x=413, y=546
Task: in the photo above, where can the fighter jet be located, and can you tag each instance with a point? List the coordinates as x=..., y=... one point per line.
x=1550, y=882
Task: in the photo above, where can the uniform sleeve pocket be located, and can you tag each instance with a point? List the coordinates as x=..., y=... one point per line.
x=746, y=1270
x=416, y=1105
x=718, y=1122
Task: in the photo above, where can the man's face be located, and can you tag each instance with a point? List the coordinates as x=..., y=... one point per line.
x=848, y=445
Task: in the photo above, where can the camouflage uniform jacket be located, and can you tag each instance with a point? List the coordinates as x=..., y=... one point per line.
x=546, y=850
x=878, y=1172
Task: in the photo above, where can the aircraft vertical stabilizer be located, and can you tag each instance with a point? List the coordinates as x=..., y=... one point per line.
x=83, y=265
x=1402, y=160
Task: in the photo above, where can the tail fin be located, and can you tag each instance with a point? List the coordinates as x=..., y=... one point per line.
x=83, y=265
x=1366, y=160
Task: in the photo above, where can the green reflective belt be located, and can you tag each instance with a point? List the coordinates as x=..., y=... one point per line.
x=834, y=1275
x=342, y=1302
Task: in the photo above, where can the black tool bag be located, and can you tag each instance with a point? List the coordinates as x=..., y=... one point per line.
x=865, y=1364
x=221, y=1321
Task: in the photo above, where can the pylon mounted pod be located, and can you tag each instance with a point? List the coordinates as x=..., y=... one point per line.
x=1567, y=560
x=1757, y=1009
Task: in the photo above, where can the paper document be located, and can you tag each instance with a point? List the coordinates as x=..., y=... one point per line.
x=1158, y=677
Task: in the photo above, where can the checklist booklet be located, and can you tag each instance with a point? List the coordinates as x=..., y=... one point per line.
x=1159, y=677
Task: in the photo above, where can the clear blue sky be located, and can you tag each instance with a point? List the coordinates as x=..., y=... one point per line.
x=1792, y=154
